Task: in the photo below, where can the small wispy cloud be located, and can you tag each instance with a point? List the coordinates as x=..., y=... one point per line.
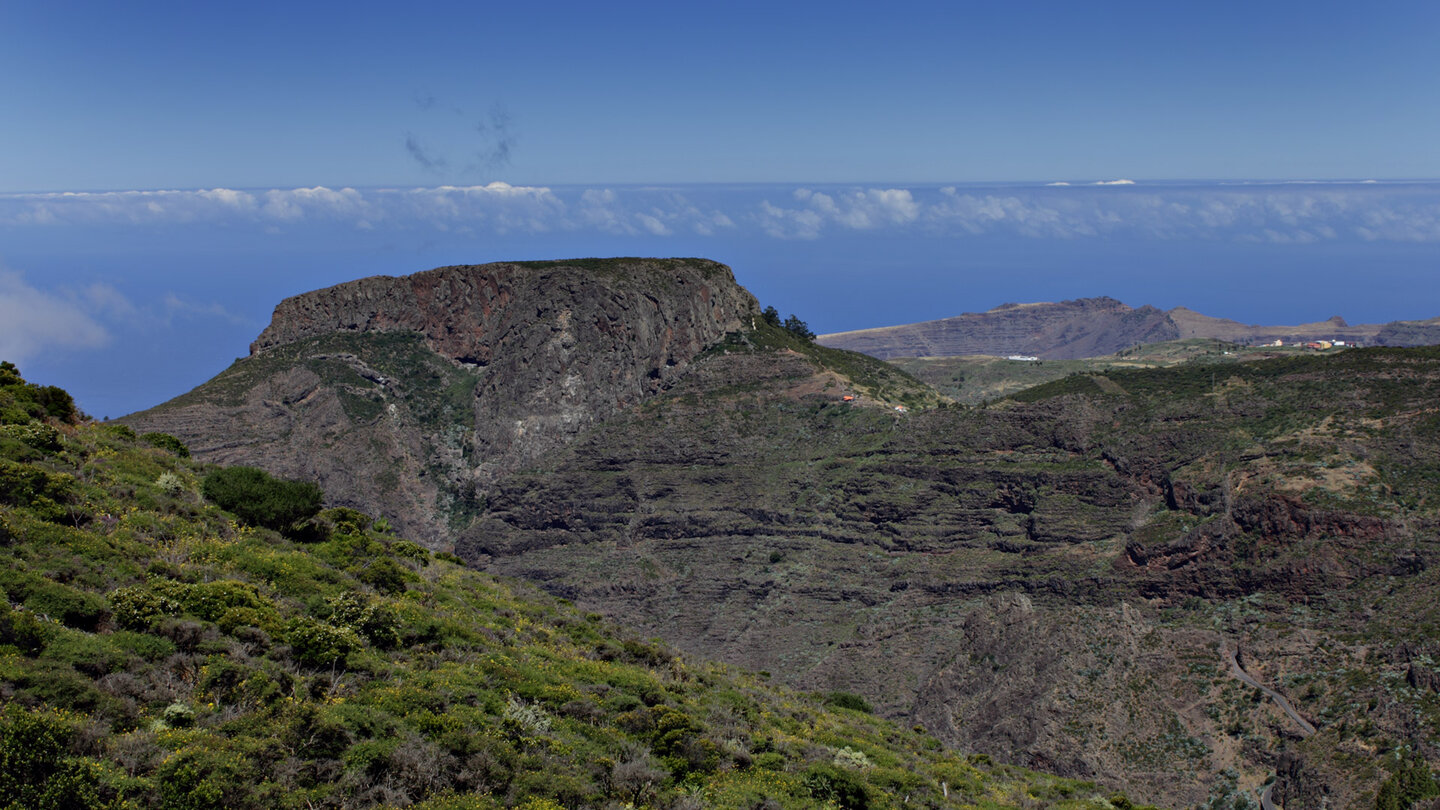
x=174, y=306
x=34, y=321
x=858, y=209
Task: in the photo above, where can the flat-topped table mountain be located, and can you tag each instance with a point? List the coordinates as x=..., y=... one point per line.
x=405, y=394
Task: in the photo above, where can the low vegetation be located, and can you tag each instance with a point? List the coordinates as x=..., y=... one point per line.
x=876, y=380
x=176, y=636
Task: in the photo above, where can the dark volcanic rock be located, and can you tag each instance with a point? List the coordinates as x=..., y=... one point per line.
x=401, y=395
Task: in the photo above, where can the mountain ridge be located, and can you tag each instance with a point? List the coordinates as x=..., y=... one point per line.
x=1093, y=327
x=408, y=394
x=159, y=651
x=1053, y=578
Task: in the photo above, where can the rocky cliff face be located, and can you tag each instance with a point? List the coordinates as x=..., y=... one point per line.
x=1053, y=579
x=405, y=394
x=1051, y=582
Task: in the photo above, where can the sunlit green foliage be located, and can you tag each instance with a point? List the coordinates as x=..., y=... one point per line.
x=155, y=652
x=260, y=499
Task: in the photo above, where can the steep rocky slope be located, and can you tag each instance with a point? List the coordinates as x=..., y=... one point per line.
x=409, y=395
x=1093, y=327
x=158, y=652
x=1057, y=581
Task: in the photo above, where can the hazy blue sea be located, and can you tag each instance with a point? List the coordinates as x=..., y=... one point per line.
x=129, y=298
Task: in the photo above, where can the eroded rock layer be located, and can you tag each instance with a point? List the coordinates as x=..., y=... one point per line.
x=405, y=394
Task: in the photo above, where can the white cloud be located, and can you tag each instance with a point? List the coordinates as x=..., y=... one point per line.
x=656, y=211
x=1305, y=212
x=653, y=224
x=34, y=321
x=789, y=223
x=1120, y=182
x=857, y=209
x=174, y=306
x=298, y=203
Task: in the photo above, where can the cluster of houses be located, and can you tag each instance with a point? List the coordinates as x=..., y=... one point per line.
x=1316, y=344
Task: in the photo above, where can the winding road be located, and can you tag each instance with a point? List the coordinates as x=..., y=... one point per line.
x=1306, y=728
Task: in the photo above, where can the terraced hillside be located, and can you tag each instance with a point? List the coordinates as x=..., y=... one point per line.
x=402, y=395
x=1057, y=579
x=1068, y=579
x=156, y=651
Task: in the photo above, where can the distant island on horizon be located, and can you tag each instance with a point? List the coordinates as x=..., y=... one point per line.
x=1095, y=327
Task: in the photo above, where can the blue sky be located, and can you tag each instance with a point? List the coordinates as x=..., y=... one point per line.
x=104, y=95
x=169, y=171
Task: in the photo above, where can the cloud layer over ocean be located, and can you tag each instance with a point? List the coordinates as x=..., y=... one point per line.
x=1276, y=213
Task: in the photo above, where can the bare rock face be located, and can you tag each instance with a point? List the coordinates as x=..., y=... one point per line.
x=406, y=394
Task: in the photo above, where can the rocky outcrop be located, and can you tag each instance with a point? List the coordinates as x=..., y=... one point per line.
x=1409, y=333
x=561, y=344
x=405, y=394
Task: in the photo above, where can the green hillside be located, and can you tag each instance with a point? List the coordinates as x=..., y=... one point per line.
x=976, y=379
x=156, y=651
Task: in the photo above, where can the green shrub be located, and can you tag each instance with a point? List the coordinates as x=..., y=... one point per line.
x=410, y=551
x=846, y=700
x=140, y=607
x=344, y=520
x=22, y=630
x=384, y=575
x=24, y=485
x=166, y=442
x=75, y=608
x=170, y=483
x=84, y=652
x=36, y=435
x=377, y=622
x=178, y=715
x=21, y=402
x=36, y=769
x=202, y=779
x=259, y=499
x=769, y=761
x=828, y=783
x=316, y=644
x=211, y=600
x=143, y=645
x=120, y=431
